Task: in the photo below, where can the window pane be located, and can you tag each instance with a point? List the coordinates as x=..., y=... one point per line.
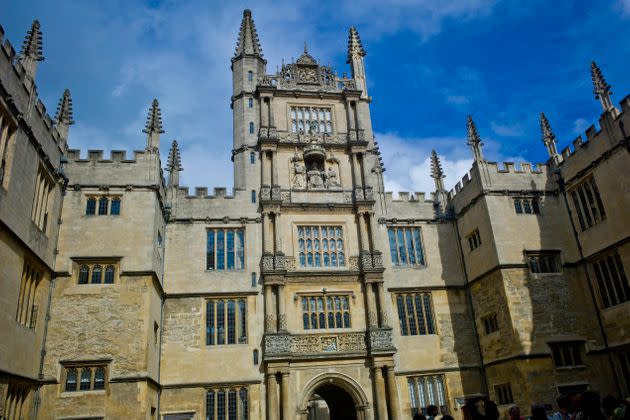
x=232, y=405
x=401, y=247
x=410, y=250
x=71, y=380
x=410, y=316
x=86, y=378
x=402, y=317
x=210, y=322
x=244, y=404
x=420, y=315
x=418, y=242
x=221, y=405
x=210, y=251
x=91, y=206
x=517, y=206
x=220, y=322
x=242, y=316
x=102, y=205
x=84, y=273
x=428, y=313
x=96, y=274
x=210, y=405
x=109, y=274
x=220, y=250
x=99, y=378
x=230, y=250
x=240, y=248
x=231, y=317
x=115, y=210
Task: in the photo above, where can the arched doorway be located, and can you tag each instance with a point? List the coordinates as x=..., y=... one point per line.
x=331, y=402
x=334, y=396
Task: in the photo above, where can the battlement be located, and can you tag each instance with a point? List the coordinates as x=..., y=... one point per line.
x=96, y=156
x=202, y=192
x=407, y=197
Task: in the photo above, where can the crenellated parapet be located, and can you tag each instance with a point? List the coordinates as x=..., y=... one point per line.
x=219, y=205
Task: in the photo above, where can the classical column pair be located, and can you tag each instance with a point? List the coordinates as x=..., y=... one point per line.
x=385, y=397
x=275, y=312
x=271, y=232
x=273, y=412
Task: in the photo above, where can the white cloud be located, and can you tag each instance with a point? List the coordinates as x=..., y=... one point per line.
x=624, y=5
x=507, y=130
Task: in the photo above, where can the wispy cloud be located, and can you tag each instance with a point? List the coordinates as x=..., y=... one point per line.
x=580, y=125
x=507, y=130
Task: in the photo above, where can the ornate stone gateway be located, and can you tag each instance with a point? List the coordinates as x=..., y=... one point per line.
x=334, y=397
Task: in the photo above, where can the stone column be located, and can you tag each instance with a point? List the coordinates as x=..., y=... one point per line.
x=266, y=233
x=365, y=244
x=282, y=315
x=264, y=161
x=350, y=116
x=379, y=383
x=369, y=292
x=394, y=408
x=381, y=304
x=264, y=110
x=270, y=324
x=286, y=415
x=271, y=120
x=276, y=232
x=274, y=168
x=364, y=169
x=373, y=223
x=272, y=397
x=355, y=174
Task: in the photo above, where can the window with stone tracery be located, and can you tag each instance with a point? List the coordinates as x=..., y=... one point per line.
x=311, y=120
x=405, y=245
x=227, y=403
x=226, y=321
x=321, y=246
x=415, y=313
x=425, y=391
x=319, y=312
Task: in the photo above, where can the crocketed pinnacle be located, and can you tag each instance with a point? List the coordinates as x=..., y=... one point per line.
x=154, y=119
x=600, y=87
x=174, y=158
x=64, y=109
x=32, y=46
x=436, y=166
x=547, y=134
x=355, y=47
x=247, y=42
x=474, y=141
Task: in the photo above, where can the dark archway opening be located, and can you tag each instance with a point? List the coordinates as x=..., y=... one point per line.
x=330, y=402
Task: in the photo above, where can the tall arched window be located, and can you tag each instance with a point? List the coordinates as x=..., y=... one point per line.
x=97, y=272
x=86, y=379
x=84, y=274
x=251, y=128
x=91, y=206
x=109, y=274
x=99, y=378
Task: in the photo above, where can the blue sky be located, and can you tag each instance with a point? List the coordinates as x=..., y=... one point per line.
x=429, y=64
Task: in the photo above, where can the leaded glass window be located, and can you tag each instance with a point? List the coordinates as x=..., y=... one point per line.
x=90, y=209
x=425, y=391
x=85, y=378
x=325, y=311
x=84, y=274
x=311, y=120
x=115, y=207
x=227, y=403
x=103, y=204
x=109, y=274
x=415, y=314
x=97, y=272
x=405, y=245
x=225, y=249
x=226, y=321
x=71, y=380
x=321, y=246
x=612, y=282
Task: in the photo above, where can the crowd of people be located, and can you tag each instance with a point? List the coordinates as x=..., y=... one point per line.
x=584, y=406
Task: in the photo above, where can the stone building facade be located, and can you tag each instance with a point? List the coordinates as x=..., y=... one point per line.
x=309, y=292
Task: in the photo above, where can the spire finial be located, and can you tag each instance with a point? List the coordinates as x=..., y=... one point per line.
x=153, y=127
x=64, y=109
x=305, y=48
x=64, y=116
x=601, y=89
x=247, y=42
x=355, y=47
x=548, y=137
x=174, y=164
x=474, y=141
x=32, y=46
x=436, y=171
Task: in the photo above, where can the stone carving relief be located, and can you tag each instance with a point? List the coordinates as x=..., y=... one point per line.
x=381, y=340
x=311, y=170
x=313, y=343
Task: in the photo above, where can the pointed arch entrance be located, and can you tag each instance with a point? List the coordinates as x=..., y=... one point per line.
x=334, y=396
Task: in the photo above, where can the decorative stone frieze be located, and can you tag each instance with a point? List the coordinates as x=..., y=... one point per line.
x=380, y=340
x=293, y=345
x=371, y=260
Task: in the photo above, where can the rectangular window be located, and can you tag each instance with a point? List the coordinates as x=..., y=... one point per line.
x=250, y=102
x=226, y=321
x=567, y=354
x=115, y=207
x=588, y=203
x=526, y=206
x=325, y=311
x=623, y=359
x=311, y=120
x=225, y=249
x=405, y=245
x=415, y=313
x=425, y=391
x=321, y=246
x=544, y=262
x=7, y=131
x=503, y=394
x=252, y=158
x=612, y=281
x=490, y=323
x=474, y=239
x=227, y=403
x=104, y=204
x=85, y=378
x=43, y=200
x=27, y=307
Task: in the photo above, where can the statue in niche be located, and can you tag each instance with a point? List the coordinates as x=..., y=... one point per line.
x=315, y=179
x=331, y=178
x=299, y=176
